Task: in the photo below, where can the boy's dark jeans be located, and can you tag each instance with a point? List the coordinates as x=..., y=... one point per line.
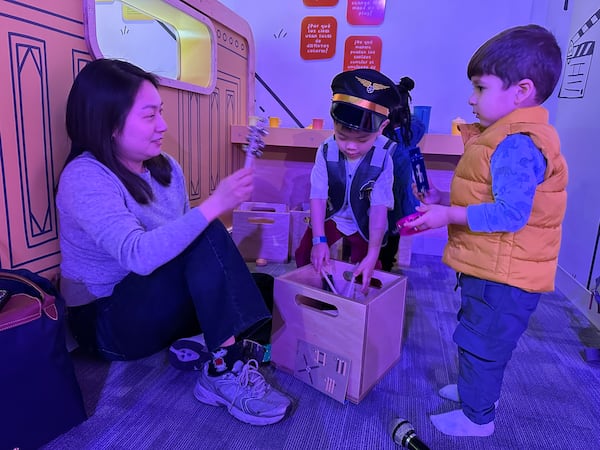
x=492, y=318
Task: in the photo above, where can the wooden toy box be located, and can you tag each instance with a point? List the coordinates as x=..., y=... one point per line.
x=262, y=230
x=367, y=331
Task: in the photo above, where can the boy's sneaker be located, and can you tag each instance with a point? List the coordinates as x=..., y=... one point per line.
x=189, y=353
x=245, y=392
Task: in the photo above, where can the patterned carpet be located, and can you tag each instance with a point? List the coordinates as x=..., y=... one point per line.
x=550, y=398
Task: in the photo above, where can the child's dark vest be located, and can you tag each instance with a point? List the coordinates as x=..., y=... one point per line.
x=363, y=181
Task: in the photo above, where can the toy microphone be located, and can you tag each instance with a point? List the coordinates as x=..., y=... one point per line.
x=404, y=434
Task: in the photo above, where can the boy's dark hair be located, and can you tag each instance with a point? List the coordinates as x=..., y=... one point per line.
x=528, y=51
x=98, y=104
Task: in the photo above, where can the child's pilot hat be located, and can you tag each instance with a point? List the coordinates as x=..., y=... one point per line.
x=363, y=99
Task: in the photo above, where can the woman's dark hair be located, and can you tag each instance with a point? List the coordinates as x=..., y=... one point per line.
x=400, y=116
x=100, y=99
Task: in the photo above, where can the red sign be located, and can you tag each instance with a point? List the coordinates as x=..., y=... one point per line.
x=365, y=12
x=317, y=37
x=362, y=52
x=320, y=2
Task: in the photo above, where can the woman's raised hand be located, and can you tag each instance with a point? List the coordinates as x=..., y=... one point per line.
x=229, y=194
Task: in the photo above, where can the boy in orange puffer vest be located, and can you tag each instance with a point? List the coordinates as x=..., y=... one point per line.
x=504, y=212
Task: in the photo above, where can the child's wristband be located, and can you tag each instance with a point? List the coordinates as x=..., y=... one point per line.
x=319, y=240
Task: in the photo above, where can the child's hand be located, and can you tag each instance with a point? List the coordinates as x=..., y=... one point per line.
x=431, y=197
x=433, y=216
x=366, y=267
x=319, y=256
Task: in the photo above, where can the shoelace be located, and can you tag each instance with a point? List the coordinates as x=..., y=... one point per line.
x=250, y=377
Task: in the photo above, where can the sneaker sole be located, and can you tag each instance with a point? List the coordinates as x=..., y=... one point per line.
x=210, y=398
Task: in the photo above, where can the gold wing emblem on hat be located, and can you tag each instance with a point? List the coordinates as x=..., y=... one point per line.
x=371, y=87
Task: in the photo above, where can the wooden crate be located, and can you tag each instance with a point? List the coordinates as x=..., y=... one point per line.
x=262, y=230
x=366, y=330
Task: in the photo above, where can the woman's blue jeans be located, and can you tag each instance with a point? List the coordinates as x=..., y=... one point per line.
x=207, y=286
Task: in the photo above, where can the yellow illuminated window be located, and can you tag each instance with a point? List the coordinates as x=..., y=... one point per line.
x=175, y=42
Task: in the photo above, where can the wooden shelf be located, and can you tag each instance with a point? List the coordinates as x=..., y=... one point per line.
x=282, y=174
x=433, y=144
x=284, y=137
x=441, y=144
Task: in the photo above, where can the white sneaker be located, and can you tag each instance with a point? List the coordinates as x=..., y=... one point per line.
x=245, y=392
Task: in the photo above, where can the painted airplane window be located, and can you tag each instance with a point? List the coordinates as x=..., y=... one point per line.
x=176, y=43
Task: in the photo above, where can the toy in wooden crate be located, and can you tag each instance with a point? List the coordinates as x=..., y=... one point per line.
x=261, y=231
x=348, y=331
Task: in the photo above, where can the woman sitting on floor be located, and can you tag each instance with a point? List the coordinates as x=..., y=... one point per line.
x=140, y=267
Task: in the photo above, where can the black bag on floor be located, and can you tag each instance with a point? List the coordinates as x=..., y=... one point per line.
x=40, y=397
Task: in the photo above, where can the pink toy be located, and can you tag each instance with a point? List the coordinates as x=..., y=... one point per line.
x=406, y=231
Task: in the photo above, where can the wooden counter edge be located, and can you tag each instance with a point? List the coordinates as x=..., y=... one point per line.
x=436, y=144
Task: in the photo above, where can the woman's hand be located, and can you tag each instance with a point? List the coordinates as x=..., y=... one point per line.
x=229, y=194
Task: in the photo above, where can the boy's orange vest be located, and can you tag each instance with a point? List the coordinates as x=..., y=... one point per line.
x=527, y=258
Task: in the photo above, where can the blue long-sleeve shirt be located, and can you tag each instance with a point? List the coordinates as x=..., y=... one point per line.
x=517, y=167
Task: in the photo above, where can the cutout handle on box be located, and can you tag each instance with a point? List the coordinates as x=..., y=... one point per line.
x=317, y=305
x=261, y=220
x=262, y=209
